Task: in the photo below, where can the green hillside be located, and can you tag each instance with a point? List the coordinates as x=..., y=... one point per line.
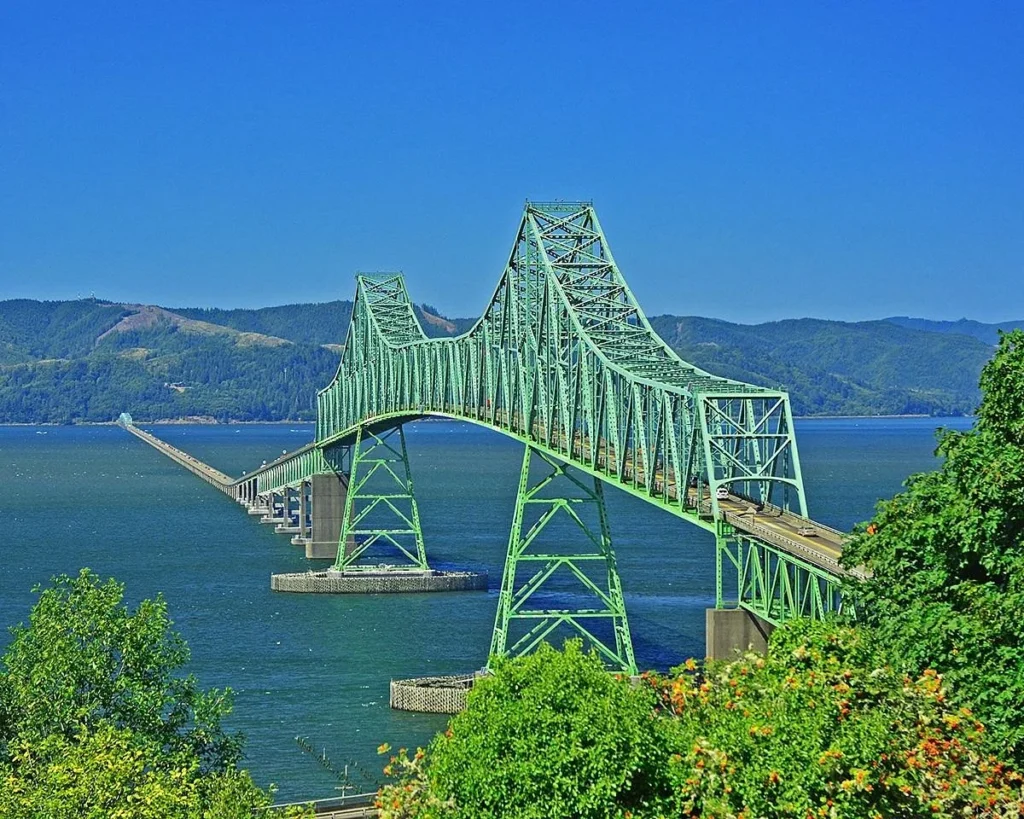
x=324, y=323
x=838, y=368
x=989, y=333
x=88, y=360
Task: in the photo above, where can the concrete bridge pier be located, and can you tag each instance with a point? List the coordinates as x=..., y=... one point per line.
x=261, y=505
x=302, y=536
x=327, y=493
x=289, y=524
x=275, y=509
x=731, y=631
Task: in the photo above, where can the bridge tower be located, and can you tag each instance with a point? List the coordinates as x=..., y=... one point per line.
x=574, y=561
x=382, y=520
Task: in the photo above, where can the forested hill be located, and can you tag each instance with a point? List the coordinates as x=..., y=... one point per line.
x=989, y=333
x=89, y=360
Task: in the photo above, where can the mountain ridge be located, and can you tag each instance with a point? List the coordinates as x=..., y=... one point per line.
x=87, y=360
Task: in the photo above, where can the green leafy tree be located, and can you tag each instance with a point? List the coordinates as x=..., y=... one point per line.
x=111, y=773
x=95, y=720
x=549, y=735
x=85, y=658
x=946, y=558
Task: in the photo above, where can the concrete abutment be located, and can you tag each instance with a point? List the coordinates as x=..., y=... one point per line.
x=731, y=631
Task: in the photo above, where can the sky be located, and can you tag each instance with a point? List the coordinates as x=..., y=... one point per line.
x=748, y=161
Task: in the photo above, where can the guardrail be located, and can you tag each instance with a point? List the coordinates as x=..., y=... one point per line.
x=353, y=806
x=818, y=558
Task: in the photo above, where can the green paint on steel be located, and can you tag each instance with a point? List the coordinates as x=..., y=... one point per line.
x=564, y=360
x=587, y=563
x=774, y=585
x=381, y=525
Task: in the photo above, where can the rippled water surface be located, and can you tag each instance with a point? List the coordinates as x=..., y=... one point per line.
x=318, y=666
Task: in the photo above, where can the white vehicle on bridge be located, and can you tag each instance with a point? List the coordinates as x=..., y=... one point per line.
x=722, y=493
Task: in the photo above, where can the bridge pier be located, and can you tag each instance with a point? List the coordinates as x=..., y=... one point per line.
x=327, y=497
x=304, y=510
x=286, y=527
x=730, y=631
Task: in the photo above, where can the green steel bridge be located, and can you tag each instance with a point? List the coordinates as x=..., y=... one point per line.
x=564, y=361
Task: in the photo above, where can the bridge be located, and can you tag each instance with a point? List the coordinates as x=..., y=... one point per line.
x=564, y=361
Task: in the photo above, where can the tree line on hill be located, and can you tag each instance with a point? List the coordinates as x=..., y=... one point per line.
x=68, y=362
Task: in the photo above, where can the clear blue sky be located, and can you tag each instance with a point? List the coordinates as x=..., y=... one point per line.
x=750, y=161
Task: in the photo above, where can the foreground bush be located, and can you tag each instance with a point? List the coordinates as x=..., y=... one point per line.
x=96, y=721
x=819, y=727
x=549, y=735
x=947, y=560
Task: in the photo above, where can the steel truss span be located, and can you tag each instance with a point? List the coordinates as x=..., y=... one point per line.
x=564, y=360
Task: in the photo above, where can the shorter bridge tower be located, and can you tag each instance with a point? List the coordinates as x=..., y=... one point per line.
x=381, y=530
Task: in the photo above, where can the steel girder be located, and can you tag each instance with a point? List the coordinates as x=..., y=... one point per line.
x=772, y=584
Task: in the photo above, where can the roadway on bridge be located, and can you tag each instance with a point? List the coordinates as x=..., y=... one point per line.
x=814, y=542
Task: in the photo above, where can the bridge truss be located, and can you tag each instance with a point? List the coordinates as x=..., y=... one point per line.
x=564, y=360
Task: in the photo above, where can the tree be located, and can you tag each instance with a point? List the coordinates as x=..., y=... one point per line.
x=110, y=772
x=85, y=658
x=95, y=721
x=946, y=558
x=550, y=735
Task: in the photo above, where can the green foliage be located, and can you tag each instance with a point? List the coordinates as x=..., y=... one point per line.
x=947, y=560
x=95, y=722
x=163, y=372
x=110, y=772
x=830, y=367
x=53, y=329
x=549, y=735
x=314, y=324
x=821, y=727
x=86, y=659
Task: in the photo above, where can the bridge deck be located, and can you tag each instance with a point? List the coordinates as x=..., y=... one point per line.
x=780, y=528
x=212, y=476
x=774, y=525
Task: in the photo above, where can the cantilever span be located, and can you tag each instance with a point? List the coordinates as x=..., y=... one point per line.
x=564, y=360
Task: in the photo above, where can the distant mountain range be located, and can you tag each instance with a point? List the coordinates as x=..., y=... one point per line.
x=89, y=360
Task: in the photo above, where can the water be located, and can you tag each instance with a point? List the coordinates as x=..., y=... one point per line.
x=318, y=666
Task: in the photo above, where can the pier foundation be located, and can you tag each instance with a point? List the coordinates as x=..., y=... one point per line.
x=432, y=695
x=378, y=582
x=730, y=631
x=327, y=500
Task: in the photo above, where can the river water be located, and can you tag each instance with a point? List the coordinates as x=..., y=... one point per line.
x=314, y=670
